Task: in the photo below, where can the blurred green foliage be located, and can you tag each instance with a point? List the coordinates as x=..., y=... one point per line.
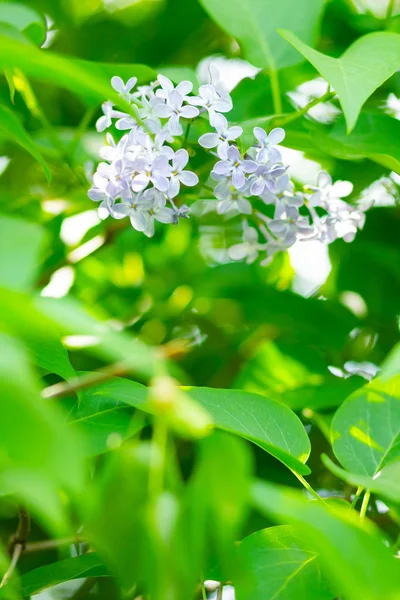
x=140, y=400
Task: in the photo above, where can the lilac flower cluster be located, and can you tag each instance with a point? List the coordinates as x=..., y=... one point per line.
x=141, y=174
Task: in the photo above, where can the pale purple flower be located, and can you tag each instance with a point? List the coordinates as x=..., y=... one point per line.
x=223, y=135
x=123, y=89
x=327, y=192
x=267, y=142
x=265, y=179
x=178, y=175
x=249, y=248
x=287, y=227
x=137, y=209
x=155, y=171
x=211, y=100
x=109, y=113
x=235, y=167
x=174, y=111
x=167, y=87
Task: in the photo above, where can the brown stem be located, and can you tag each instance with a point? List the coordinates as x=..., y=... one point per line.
x=67, y=388
x=17, y=543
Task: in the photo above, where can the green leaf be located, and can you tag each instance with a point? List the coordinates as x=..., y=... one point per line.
x=35, y=317
x=216, y=519
x=366, y=428
x=361, y=70
x=37, y=455
x=386, y=483
x=254, y=24
x=50, y=354
x=295, y=375
x=20, y=246
x=25, y=19
x=282, y=565
x=14, y=130
x=101, y=418
x=374, y=137
x=351, y=549
x=269, y=424
x=90, y=80
x=85, y=565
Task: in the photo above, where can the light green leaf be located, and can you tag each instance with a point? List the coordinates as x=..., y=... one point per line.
x=50, y=354
x=361, y=70
x=35, y=317
x=295, y=375
x=85, y=565
x=101, y=418
x=366, y=428
x=14, y=130
x=386, y=483
x=282, y=565
x=25, y=19
x=37, y=455
x=269, y=424
x=254, y=24
x=88, y=79
x=351, y=549
x=20, y=246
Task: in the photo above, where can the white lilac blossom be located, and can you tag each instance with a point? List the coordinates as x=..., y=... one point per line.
x=223, y=135
x=266, y=147
x=178, y=175
x=144, y=171
x=234, y=167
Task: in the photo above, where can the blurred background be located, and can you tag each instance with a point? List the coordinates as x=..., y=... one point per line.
x=307, y=329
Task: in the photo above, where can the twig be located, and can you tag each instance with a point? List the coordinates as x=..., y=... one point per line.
x=66, y=388
x=357, y=496
x=185, y=140
x=293, y=116
x=364, y=504
x=17, y=543
x=51, y=544
x=220, y=591
x=84, y=589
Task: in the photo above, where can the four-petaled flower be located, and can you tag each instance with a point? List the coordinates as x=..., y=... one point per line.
x=123, y=89
x=224, y=134
x=178, y=175
x=155, y=171
x=211, y=100
x=173, y=110
x=234, y=167
x=266, y=150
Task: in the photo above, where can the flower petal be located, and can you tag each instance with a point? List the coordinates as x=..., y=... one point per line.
x=189, y=178
x=209, y=140
x=180, y=159
x=276, y=136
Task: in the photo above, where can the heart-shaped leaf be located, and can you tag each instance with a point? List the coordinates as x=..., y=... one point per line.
x=361, y=70
x=366, y=428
